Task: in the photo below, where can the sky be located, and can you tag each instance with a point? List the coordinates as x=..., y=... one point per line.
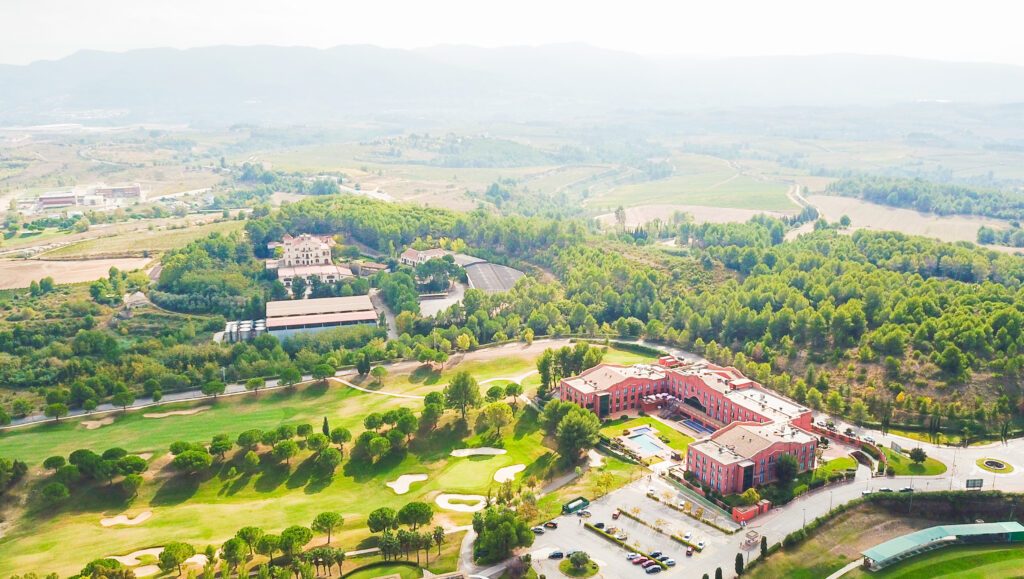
x=979, y=30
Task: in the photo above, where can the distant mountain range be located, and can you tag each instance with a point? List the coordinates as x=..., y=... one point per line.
x=283, y=85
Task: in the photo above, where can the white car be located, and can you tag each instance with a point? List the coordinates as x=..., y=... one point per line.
x=688, y=535
x=700, y=545
x=632, y=556
x=870, y=439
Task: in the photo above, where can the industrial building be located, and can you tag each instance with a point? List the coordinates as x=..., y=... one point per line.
x=932, y=538
x=286, y=318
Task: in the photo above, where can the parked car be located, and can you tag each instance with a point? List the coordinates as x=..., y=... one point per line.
x=870, y=439
x=688, y=535
x=664, y=558
x=867, y=492
x=650, y=563
x=631, y=556
x=848, y=432
x=556, y=555
x=615, y=515
x=700, y=545
x=651, y=490
x=621, y=536
x=907, y=490
x=570, y=552
x=655, y=554
x=538, y=530
x=885, y=490
x=689, y=551
x=670, y=562
x=585, y=514
x=551, y=525
x=653, y=569
x=599, y=525
x=640, y=560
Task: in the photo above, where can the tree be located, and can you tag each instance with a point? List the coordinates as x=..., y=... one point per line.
x=326, y=523
x=317, y=442
x=382, y=519
x=293, y=539
x=462, y=393
x=407, y=424
x=513, y=391
x=379, y=373
x=494, y=393
x=500, y=530
x=415, y=514
x=378, y=447
x=193, y=461
x=463, y=342
x=55, y=493
x=834, y=401
x=250, y=438
x=325, y=428
x=372, y=421
x=431, y=415
x=268, y=545
x=363, y=365
x=750, y=497
x=579, y=560
x=124, y=399
x=739, y=564
x=439, y=537
x=328, y=460
x=254, y=385
x=322, y=372
x=250, y=536
x=174, y=555
x=285, y=450
x=340, y=436
x=289, y=376
x=786, y=468
x=718, y=573
x=858, y=412
x=764, y=547
x=577, y=432
x=221, y=445
x=918, y=455
x=54, y=463
x=56, y=411
x=251, y=460
x=233, y=552
x=131, y=484
x=213, y=388
x=496, y=415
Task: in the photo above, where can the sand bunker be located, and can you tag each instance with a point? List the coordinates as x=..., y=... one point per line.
x=444, y=501
x=483, y=451
x=145, y=455
x=125, y=520
x=596, y=460
x=132, y=559
x=401, y=485
x=94, y=424
x=176, y=413
x=509, y=472
x=146, y=570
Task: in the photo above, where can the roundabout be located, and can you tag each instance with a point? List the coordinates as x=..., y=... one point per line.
x=994, y=465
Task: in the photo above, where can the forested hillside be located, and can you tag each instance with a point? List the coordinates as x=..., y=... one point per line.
x=874, y=326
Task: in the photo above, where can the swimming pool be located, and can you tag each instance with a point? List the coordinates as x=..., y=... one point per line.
x=646, y=442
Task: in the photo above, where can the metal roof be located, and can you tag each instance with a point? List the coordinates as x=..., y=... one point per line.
x=909, y=542
x=321, y=319
x=318, y=306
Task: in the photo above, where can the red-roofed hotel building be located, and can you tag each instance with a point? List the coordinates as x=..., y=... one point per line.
x=752, y=426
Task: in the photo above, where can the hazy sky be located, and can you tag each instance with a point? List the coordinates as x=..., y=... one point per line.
x=980, y=30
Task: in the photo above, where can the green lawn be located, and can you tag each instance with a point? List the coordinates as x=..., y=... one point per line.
x=974, y=562
x=903, y=466
x=567, y=569
x=404, y=571
x=839, y=464
x=676, y=439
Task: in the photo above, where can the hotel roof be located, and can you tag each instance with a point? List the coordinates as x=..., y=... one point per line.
x=604, y=376
x=742, y=440
x=318, y=306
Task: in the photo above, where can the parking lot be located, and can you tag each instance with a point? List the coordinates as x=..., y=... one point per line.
x=572, y=535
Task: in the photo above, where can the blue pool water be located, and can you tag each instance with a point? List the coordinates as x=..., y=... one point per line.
x=646, y=442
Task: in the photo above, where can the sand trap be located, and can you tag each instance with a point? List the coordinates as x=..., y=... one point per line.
x=401, y=485
x=444, y=501
x=596, y=460
x=197, y=559
x=94, y=424
x=145, y=455
x=132, y=559
x=146, y=570
x=176, y=412
x=483, y=451
x=509, y=472
x=125, y=520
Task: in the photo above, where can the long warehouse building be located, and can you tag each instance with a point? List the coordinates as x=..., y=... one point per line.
x=286, y=318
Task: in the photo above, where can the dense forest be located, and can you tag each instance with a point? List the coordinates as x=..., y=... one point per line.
x=875, y=326
x=939, y=198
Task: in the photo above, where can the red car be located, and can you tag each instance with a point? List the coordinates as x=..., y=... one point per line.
x=649, y=563
x=641, y=560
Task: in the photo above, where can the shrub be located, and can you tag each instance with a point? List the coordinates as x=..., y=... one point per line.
x=799, y=490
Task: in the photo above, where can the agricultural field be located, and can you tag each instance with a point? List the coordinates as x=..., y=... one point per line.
x=209, y=508
x=19, y=273
x=141, y=241
x=867, y=215
x=700, y=180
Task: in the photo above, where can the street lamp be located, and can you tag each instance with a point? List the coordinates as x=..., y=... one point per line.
x=805, y=519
